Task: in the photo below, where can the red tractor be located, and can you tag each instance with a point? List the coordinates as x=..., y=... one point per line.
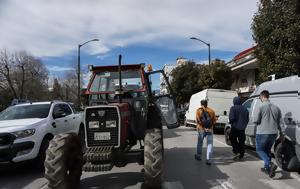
x=123, y=124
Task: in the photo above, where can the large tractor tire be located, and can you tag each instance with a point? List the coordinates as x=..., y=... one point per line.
x=42, y=154
x=64, y=161
x=153, y=158
x=81, y=135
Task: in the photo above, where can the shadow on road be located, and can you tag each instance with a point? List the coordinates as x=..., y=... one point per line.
x=19, y=175
x=180, y=165
x=112, y=181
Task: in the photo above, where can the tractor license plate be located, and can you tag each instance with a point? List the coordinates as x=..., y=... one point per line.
x=102, y=136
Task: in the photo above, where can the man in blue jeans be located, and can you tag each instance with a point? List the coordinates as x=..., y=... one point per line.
x=267, y=120
x=206, y=119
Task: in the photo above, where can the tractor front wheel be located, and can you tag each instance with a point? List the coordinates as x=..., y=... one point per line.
x=63, y=164
x=153, y=158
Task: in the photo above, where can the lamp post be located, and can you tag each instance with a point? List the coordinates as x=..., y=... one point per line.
x=208, y=44
x=78, y=69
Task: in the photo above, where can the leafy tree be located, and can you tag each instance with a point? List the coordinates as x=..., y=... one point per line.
x=276, y=30
x=216, y=76
x=185, y=81
x=191, y=78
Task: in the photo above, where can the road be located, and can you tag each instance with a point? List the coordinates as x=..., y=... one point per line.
x=181, y=170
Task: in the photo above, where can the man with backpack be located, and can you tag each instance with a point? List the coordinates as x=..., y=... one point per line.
x=206, y=119
x=238, y=118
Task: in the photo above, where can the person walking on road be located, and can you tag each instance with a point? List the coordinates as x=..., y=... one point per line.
x=238, y=118
x=267, y=120
x=206, y=119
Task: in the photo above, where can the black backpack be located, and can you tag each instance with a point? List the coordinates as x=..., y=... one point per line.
x=206, y=120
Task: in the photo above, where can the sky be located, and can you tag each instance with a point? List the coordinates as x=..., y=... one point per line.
x=143, y=31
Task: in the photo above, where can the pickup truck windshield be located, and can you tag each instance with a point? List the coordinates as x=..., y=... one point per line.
x=25, y=112
x=109, y=81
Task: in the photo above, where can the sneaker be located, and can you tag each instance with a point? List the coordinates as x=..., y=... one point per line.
x=208, y=162
x=197, y=157
x=264, y=170
x=236, y=158
x=235, y=152
x=272, y=171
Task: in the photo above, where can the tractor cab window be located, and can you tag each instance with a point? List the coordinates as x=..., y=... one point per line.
x=108, y=81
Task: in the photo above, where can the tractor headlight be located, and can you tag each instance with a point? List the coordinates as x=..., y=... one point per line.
x=24, y=133
x=94, y=124
x=111, y=124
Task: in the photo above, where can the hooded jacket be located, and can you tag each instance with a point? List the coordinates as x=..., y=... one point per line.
x=238, y=115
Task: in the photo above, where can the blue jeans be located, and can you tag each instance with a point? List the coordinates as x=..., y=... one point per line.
x=209, y=141
x=264, y=143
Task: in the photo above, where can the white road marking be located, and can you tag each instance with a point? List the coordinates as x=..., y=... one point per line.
x=220, y=142
x=221, y=184
x=165, y=185
x=275, y=184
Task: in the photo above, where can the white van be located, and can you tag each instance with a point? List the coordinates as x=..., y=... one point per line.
x=218, y=99
x=284, y=93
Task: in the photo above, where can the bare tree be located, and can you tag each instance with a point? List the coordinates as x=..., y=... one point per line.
x=6, y=69
x=23, y=75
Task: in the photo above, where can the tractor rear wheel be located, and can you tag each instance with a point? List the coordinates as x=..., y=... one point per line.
x=63, y=164
x=153, y=158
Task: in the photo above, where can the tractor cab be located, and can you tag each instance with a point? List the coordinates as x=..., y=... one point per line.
x=104, y=86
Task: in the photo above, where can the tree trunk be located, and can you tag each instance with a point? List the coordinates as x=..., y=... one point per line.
x=7, y=76
x=22, y=82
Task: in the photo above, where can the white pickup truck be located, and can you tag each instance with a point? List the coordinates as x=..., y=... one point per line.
x=26, y=129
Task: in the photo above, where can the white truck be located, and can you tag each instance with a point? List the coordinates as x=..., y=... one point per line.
x=218, y=99
x=26, y=129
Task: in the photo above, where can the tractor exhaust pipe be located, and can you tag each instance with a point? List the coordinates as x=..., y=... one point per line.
x=120, y=80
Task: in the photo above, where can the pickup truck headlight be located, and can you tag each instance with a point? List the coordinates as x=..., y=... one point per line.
x=24, y=133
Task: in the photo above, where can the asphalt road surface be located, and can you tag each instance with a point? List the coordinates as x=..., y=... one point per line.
x=182, y=171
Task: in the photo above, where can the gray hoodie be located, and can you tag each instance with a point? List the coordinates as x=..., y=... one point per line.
x=267, y=119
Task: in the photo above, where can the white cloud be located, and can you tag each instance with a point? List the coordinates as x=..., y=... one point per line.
x=59, y=68
x=53, y=28
x=103, y=56
x=86, y=78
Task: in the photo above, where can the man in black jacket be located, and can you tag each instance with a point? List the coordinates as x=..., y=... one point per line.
x=238, y=118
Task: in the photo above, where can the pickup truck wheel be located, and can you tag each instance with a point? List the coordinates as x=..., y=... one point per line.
x=283, y=154
x=227, y=136
x=42, y=154
x=82, y=139
x=153, y=159
x=63, y=164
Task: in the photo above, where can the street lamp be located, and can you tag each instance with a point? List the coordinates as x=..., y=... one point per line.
x=78, y=68
x=208, y=44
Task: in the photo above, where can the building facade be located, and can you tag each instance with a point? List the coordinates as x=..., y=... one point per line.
x=244, y=68
x=168, y=68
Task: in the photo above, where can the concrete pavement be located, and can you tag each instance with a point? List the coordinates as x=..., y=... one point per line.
x=181, y=170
